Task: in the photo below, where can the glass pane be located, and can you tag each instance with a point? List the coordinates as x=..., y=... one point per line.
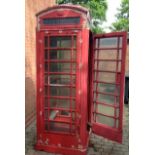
x=62, y=54
x=65, y=41
x=53, y=54
x=74, y=41
x=46, y=114
x=46, y=125
x=108, y=42
x=46, y=79
x=45, y=91
x=60, y=103
x=46, y=55
x=62, y=91
x=58, y=115
x=46, y=42
x=62, y=67
x=106, y=99
x=105, y=120
x=106, y=54
x=46, y=66
x=96, y=43
x=53, y=114
x=60, y=79
x=62, y=115
x=105, y=110
x=120, y=42
x=57, y=21
x=105, y=77
x=46, y=102
x=107, y=88
x=106, y=66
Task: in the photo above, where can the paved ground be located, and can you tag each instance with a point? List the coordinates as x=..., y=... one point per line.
x=100, y=146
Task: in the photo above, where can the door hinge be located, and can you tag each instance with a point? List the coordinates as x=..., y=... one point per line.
x=89, y=126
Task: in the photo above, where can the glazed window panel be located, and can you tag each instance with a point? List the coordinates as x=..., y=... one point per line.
x=45, y=102
x=58, y=21
x=111, y=100
x=61, y=103
x=46, y=54
x=120, y=42
x=46, y=114
x=105, y=110
x=46, y=125
x=108, y=42
x=107, y=88
x=46, y=67
x=45, y=90
x=46, y=41
x=105, y=120
x=62, y=67
x=106, y=54
x=105, y=77
x=106, y=66
x=65, y=42
x=62, y=55
x=62, y=91
x=60, y=79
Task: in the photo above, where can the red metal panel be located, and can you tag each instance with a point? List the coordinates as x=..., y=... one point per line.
x=108, y=125
x=83, y=66
x=79, y=138
x=62, y=11
x=39, y=88
x=63, y=150
x=62, y=129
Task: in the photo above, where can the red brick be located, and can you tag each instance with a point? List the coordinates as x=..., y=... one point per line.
x=31, y=8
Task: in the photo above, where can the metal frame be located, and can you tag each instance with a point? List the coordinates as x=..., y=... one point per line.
x=62, y=142
x=113, y=133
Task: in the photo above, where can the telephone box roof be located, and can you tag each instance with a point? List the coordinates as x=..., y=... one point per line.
x=67, y=6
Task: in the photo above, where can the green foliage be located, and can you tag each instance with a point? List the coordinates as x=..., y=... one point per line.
x=97, y=9
x=97, y=29
x=122, y=23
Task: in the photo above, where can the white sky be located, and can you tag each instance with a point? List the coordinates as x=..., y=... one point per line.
x=112, y=10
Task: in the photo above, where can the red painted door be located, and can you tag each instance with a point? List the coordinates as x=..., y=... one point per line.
x=108, y=72
x=59, y=79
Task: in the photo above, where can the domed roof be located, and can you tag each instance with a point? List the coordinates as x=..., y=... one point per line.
x=67, y=6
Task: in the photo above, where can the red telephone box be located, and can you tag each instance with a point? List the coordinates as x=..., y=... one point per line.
x=80, y=81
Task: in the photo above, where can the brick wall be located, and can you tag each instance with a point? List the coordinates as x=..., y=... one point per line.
x=32, y=7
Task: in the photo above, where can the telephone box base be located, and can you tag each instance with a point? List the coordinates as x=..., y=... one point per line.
x=61, y=150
